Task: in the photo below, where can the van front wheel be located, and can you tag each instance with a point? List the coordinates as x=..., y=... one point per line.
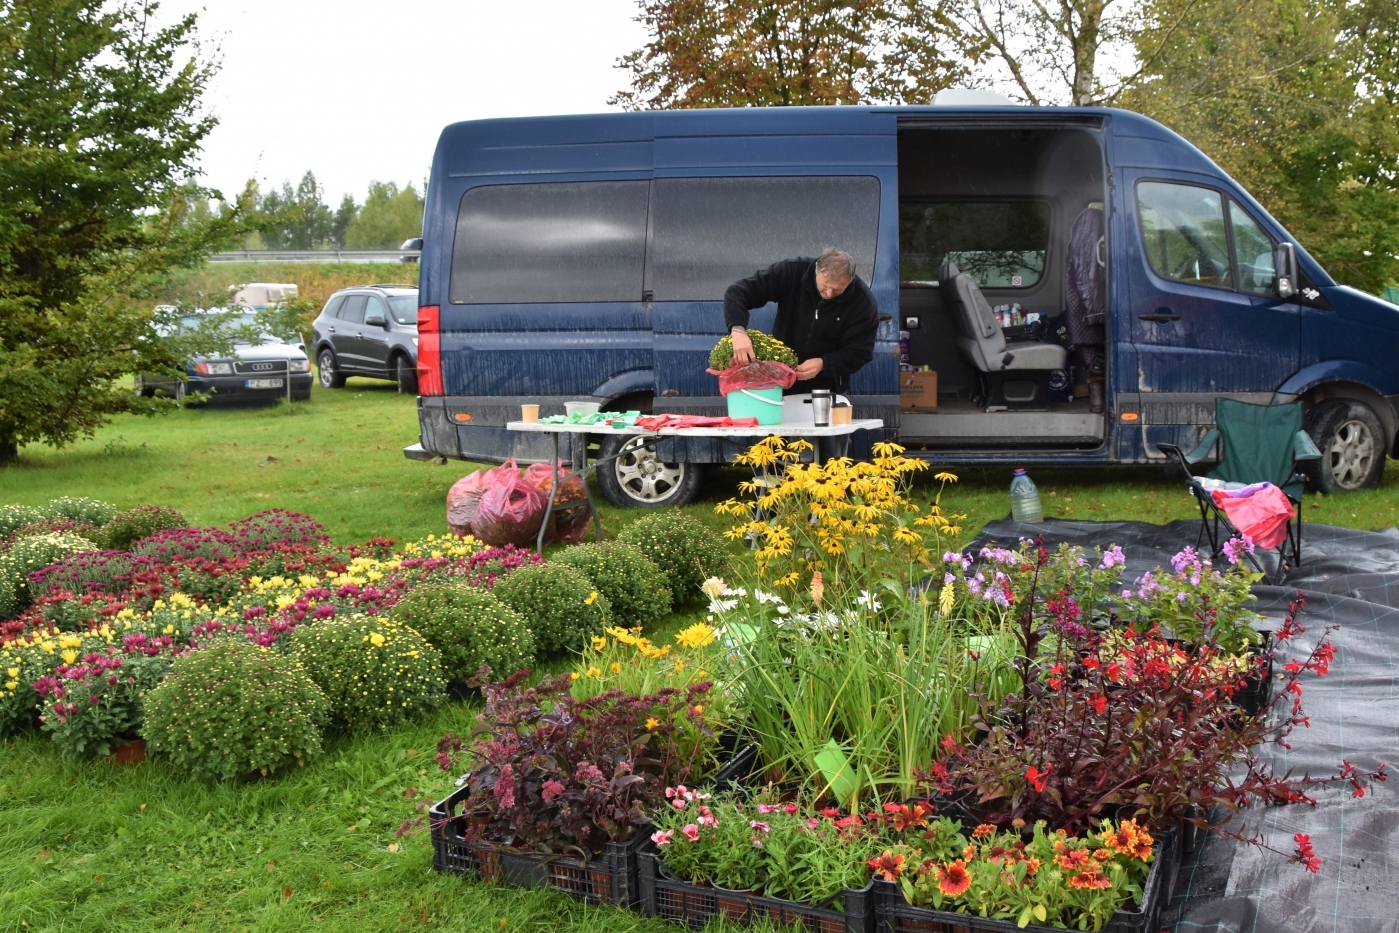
x=637, y=478
x=1352, y=444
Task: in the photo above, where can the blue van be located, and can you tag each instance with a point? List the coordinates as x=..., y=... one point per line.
x=586, y=257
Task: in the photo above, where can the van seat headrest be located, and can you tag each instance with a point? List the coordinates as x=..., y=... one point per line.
x=949, y=271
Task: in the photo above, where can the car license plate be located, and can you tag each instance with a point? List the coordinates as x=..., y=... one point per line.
x=262, y=384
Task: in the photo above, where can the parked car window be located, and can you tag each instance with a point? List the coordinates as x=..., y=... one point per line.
x=373, y=305
x=404, y=308
x=1183, y=232
x=352, y=311
x=569, y=241
x=332, y=307
x=708, y=232
x=1001, y=245
x=1253, y=250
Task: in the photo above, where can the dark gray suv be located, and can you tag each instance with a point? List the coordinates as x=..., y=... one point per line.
x=369, y=331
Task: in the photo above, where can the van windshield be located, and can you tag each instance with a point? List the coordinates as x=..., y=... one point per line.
x=404, y=308
x=1001, y=245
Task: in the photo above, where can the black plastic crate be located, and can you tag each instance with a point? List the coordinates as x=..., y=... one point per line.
x=666, y=896
x=609, y=878
x=1258, y=683
x=896, y=915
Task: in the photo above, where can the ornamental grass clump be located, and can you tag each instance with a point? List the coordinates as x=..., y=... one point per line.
x=235, y=710
x=686, y=551
x=561, y=606
x=469, y=626
x=631, y=581
x=375, y=672
x=131, y=525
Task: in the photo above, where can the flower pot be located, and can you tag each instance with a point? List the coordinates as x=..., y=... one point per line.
x=763, y=404
x=132, y=753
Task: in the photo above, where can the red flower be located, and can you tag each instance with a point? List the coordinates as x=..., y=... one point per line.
x=887, y=866
x=983, y=830
x=953, y=878
x=1100, y=704
x=1090, y=879
x=1038, y=779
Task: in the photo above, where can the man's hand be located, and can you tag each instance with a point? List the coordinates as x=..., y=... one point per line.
x=809, y=369
x=743, y=348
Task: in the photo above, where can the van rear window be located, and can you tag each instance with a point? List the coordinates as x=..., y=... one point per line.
x=1000, y=244
x=564, y=241
x=706, y=233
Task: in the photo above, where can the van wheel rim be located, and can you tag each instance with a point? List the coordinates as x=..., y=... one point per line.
x=643, y=476
x=1350, y=454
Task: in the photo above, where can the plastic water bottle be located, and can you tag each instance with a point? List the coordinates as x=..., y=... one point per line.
x=1025, y=499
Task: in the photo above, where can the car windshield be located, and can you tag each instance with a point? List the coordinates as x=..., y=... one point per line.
x=404, y=308
x=244, y=327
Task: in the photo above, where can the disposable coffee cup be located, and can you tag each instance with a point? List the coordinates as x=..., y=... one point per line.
x=841, y=414
x=529, y=414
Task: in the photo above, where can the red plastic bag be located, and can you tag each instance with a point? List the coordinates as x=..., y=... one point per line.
x=1260, y=511
x=570, y=525
x=759, y=374
x=464, y=498
x=511, y=510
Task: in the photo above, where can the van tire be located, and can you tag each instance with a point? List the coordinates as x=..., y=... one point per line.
x=1352, y=442
x=405, y=375
x=637, y=479
x=331, y=378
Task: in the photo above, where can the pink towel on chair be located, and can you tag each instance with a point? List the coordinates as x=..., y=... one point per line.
x=1260, y=511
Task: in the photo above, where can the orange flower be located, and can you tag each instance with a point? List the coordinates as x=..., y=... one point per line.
x=969, y=853
x=1102, y=855
x=983, y=831
x=887, y=866
x=953, y=878
x=1074, y=858
x=1090, y=879
x=1032, y=865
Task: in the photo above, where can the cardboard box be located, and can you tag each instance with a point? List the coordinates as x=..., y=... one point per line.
x=918, y=390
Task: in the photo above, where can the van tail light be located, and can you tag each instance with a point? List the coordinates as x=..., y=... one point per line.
x=429, y=352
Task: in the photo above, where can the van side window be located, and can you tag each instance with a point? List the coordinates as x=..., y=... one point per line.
x=1253, y=251
x=1001, y=245
x=352, y=311
x=706, y=233
x=1183, y=232
x=560, y=241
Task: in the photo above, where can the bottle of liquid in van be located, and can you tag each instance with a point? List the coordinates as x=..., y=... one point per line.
x=1025, y=499
x=905, y=340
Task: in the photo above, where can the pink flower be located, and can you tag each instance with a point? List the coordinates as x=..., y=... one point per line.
x=769, y=807
x=790, y=809
x=663, y=837
x=691, y=832
x=761, y=826
x=551, y=791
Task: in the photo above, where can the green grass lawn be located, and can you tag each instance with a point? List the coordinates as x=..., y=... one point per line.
x=95, y=847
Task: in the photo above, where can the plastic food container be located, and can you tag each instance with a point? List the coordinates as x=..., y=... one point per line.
x=581, y=408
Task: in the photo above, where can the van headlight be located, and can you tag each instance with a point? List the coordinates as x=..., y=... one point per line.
x=299, y=366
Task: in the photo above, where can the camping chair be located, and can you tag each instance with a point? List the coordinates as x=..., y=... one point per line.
x=1259, y=443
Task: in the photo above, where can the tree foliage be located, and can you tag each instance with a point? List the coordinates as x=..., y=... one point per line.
x=100, y=123
x=389, y=216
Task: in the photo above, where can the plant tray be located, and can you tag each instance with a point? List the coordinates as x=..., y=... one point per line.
x=666, y=896
x=609, y=878
x=1258, y=687
x=896, y=915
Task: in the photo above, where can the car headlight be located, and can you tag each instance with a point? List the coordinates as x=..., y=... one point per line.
x=299, y=366
x=214, y=369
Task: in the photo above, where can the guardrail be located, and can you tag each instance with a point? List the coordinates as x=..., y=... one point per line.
x=317, y=255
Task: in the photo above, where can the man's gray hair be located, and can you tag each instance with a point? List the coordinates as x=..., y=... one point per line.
x=836, y=264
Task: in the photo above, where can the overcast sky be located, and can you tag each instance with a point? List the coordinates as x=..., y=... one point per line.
x=358, y=90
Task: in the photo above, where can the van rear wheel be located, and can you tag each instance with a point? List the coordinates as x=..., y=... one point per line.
x=1352, y=443
x=637, y=478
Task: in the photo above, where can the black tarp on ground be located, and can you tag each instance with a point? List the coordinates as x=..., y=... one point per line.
x=1350, y=578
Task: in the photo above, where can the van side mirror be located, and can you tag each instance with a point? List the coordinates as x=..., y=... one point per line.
x=374, y=320
x=1285, y=266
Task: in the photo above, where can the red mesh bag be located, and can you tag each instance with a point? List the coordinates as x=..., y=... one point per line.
x=511, y=510
x=759, y=374
x=464, y=498
x=570, y=525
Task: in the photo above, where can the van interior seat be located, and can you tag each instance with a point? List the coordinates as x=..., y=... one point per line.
x=981, y=340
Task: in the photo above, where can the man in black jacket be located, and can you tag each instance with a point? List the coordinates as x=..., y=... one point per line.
x=825, y=313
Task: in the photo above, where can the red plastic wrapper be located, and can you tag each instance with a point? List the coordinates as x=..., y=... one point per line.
x=1260, y=511
x=511, y=510
x=570, y=525
x=464, y=499
x=759, y=374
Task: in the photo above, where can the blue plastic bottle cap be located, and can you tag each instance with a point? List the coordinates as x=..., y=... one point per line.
x=1020, y=472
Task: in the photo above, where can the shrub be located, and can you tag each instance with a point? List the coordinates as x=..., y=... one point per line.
x=631, y=581
x=765, y=347
x=55, y=525
x=682, y=547
x=96, y=703
x=131, y=525
x=233, y=710
x=171, y=544
x=277, y=526
x=81, y=509
x=469, y=626
x=485, y=567
x=15, y=516
x=375, y=672
x=560, y=605
x=28, y=555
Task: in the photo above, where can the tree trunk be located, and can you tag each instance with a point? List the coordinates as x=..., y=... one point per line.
x=9, y=452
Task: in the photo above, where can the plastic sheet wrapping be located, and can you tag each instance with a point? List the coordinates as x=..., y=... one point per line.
x=1351, y=579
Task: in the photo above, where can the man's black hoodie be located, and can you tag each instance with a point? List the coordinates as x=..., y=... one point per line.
x=840, y=331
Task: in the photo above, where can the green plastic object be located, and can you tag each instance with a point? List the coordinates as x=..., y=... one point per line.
x=763, y=404
x=835, y=768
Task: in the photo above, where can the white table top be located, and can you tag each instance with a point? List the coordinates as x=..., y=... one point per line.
x=781, y=430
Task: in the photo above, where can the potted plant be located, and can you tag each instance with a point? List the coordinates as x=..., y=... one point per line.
x=754, y=390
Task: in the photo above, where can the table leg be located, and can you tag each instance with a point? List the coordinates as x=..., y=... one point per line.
x=553, y=492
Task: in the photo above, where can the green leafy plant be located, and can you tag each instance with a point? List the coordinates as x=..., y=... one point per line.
x=765, y=347
x=635, y=586
x=15, y=516
x=97, y=703
x=375, y=672
x=1197, y=603
x=559, y=603
x=28, y=555
x=81, y=509
x=685, y=550
x=469, y=626
x=235, y=710
x=131, y=525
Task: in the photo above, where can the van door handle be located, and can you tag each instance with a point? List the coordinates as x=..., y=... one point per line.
x=1162, y=316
